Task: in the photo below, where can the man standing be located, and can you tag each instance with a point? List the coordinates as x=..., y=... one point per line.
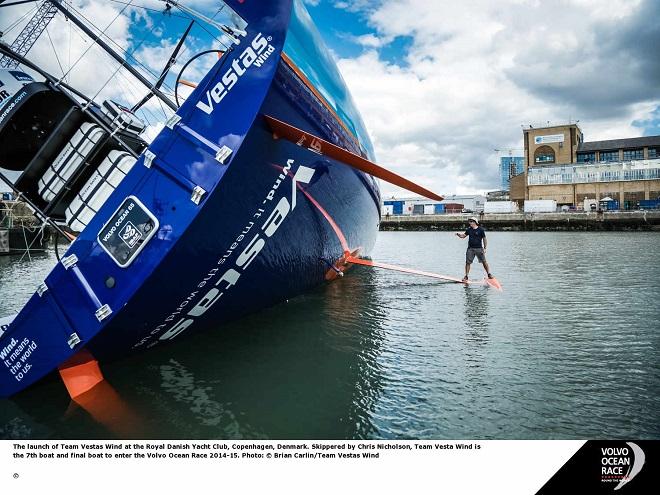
x=476, y=247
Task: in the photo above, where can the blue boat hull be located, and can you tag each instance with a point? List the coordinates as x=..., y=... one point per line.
x=232, y=237
x=290, y=262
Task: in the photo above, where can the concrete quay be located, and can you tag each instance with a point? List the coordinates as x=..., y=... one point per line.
x=574, y=221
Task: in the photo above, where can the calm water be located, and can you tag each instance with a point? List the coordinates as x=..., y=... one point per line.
x=570, y=349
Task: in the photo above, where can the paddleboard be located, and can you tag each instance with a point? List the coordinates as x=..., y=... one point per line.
x=359, y=261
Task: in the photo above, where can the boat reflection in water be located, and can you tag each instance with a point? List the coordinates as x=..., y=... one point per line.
x=318, y=379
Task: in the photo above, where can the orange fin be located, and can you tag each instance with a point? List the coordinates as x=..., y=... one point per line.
x=80, y=373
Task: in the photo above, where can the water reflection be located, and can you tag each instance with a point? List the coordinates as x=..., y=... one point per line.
x=476, y=313
x=108, y=409
x=476, y=300
x=19, y=279
x=353, y=316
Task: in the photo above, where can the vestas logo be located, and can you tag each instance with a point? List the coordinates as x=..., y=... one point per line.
x=221, y=279
x=615, y=460
x=255, y=54
x=230, y=277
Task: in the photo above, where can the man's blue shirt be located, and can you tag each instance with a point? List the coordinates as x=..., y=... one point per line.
x=476, y=236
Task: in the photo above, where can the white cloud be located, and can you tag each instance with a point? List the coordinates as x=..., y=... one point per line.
x=473, y=73
x=368, y=40
x=354, y=5
x=476, y=71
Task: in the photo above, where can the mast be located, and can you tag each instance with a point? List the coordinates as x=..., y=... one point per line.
x=163, y=74
x=123, y=62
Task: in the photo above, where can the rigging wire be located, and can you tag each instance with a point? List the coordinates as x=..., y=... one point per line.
x=102, y=34
x=137, y=61
x=13, y=25
x=90, y=46
x=185, y=47
x=153, y=115
x=162, y=109
x=129, y=55
x=69, y=61
x=219, y=40
x=125, y=89
x=119, y=66
x=159, y=11
x=55, y=52
x=121, y=49
x=18, y=2
x=126, y=82
x=137, y=94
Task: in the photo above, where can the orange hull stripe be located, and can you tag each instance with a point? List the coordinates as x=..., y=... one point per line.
x=333, y=224
x=326, y=215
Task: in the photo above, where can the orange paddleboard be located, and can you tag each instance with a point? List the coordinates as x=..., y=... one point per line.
x=359, y=261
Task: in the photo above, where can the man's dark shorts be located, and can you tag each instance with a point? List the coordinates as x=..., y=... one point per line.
x=472, y=252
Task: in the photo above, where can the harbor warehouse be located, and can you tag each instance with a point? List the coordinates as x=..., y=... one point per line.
x=559, y=165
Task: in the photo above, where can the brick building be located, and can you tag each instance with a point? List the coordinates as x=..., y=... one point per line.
x=560, y=165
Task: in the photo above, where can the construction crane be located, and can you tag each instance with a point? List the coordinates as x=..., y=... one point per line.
x=30, y=33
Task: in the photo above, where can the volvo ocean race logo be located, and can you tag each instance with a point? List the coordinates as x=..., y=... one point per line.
x=228, y=277
x=256, y=54
x=130, y=235
x=621, y=464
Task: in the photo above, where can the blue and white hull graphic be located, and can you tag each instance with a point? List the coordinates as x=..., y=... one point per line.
x=217, y=219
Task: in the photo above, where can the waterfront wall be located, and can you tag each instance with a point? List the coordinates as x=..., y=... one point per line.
x=608, y=220
x=20, y=231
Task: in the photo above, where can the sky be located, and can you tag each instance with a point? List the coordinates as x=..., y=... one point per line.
x=440, y=84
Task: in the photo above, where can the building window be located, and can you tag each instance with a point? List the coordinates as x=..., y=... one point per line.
x=543, y=155
x=633, y=154
x=586, y=157
x=609, y=156
x=654, y=153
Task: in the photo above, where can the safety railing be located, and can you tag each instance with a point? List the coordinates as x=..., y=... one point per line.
x=597, y=172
